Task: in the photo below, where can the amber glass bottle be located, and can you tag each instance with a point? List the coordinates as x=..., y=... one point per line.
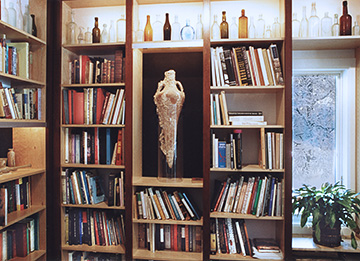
x=148, y=32
x=243, y=25
x=345, y=21
x=167, y=28
x=96, y=32
x=224, y=27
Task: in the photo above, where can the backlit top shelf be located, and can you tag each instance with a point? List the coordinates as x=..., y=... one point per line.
x=326, y=43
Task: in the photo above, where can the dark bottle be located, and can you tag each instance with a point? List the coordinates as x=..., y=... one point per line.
x=224, y=27
x=345, y=21
x=33, y=27
x=96, y=32
x=167, y=28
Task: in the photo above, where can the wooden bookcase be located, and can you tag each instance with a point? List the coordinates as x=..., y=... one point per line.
x=29, y=137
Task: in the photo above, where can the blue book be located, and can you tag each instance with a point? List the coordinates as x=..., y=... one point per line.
x=80, y=227
x=190, y=205
x=108, y=147
x=108, y=232
x=98, y=196
x=271, y=195
x=222, y=154
x=174, y=207
x=86, y=187
x=66, y=106
x=72, y=196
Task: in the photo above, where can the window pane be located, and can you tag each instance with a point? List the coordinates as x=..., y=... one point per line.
x=314, y=129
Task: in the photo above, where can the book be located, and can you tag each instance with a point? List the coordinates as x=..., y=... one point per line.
x=266, y=245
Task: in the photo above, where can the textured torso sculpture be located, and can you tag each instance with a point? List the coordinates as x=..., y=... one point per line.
x=169, y=99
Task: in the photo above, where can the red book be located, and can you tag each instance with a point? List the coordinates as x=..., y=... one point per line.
x=97, y=240
x=106, y=234
x=84, y=60
x=96, y=141
x=253, y=194
x=118, y=65
x=78, y=107
x=100, y=98
x=175, y=230
x=226, y=238
x=220, y=196
x=103, y=108
x=118, y=160
x=187, y=238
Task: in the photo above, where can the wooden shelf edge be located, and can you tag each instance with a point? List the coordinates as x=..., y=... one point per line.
x=247, y=168
x=20, y=173
x=92, y=166
x=93, y=45
x=166, y=255
x=153, y=181
x=247, y=126
x=92, y=125
x=20, y=34
x=21, y=79
x=32, y=256
x=230, y=257
x=93, y=85
x=248, y=88
x=247, y=40
x=101, y=249
x=169, y=221
x=10, y=123
x=16, y=216
x=101, y=205
x=94, y=3
x=244, y=216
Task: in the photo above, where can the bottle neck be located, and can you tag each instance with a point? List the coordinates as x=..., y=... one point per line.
x=345, y=10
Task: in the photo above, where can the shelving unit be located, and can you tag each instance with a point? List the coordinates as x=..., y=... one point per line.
x=28, y=137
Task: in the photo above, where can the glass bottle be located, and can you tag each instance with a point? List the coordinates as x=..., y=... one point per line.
x=233, y=29
x=96, y=32
x=276, y=28
x=314, y=22
x=252, y=32
x=71, y=30
x=5, y=14
x=27, y=20
x=104, y=34
x=33, y=27
x=224, y=27
x=120, y=29
x=243, y=25
x=326, y=25
x=187, y=32
x=260, y=27
x=148, y=32
x=304, y=24
x=167, y=28
x=80, y=37
x=139, y=34
x=335, y=29
x=88, y=36
x=268, y=32
x=157, y=29
x=112, y=34
x=199, y=28
x=12, y=14
x=175, y=32
x=356, y=29
x=295, y=26
x=345, y=21
x=20, y=18
x=215, y=29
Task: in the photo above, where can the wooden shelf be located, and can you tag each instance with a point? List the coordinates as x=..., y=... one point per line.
x=155, y=182
x=17, y=35
x=94, y=3
x=149, y=2
x=100, y=249
x=94, y=48
x=16, y=216
x=246, y=168
x=92, y=125
x=10, y=123
x=170, y=46
x=243, y=216
x=101, y=205
x=249, y=89
x=20, y=173
x=166, y=255
x=247, y=41
x=326, y=43
x=230, y=257
x=92, y=166
x=93, y=85
x=247, y=126
x=32, y=256
x=17, y=80
x=170, y=222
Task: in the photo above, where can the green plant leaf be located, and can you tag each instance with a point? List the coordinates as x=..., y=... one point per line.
x=332, y=219
x=317, y=232
x=304, y=218
x=353, y=241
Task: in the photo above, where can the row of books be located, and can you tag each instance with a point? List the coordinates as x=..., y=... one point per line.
x=271, y=154
x=89, y=70
x=255, y=195
x=20, y=103
x=14, y=196
x=236, y=66
x=93, y=227
x=20, y=239
x=94, y=146
x=158, y=237
x=158, y=204
x=93, y=106
x=227, y=154
x=90, y=256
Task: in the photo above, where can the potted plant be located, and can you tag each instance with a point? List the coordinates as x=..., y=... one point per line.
x=330, y=206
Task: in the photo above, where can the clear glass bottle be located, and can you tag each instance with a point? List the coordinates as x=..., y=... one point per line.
x=12, y=14
x=304, y=24
x=112, y=33
x=5, y=13
x=260, y=27
x=104, y=34
x=276, y=28
x=120, y=29
x=148, y=31
x=268, y=32
x=326, y=25
x=345, y=20
x=252, y=31
x=243, y=25
x=215, y=29
x=175, y=30
x=335, y=29
x=314, y=22
x=233, y=29
x=139, y=34
x=187, y=32
x=167, y=28
x=88, y=36
x=157, y=27
x=224, y=27
x=356, y=29
x=27, y=20
x=295, y=26
x=80, y=37
x=20, y=17
x=199, y=28
x=96, y=32
x=33, y=26
x=71, y=30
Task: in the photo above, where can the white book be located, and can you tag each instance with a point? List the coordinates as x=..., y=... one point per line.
x=216, y=152
x=91, y=105
x=162, y=204
x=142, y=196
x=273, y=200
x=237, y=195
x=67, y=159
x=85, y=140
x=223, y=197
x=242, y=245
x=32, y=235
x=217, y=107
x=92, y=230
x=228, y=196
x=212, y=121
x=247, y=118
x=269, y=149
x=231, y=239
x=243, y=122
x=76, y=189
x=225, y=112
x=263, y=68
x=253, y=61
x=177, y=207
x=118, y=107
x=261, y=197
x=217, y=235
x=281, y=152
x=248, y=195
x=279, y=199
x=213, y=76
x=4, y=245
x=11, y=103
x=271, y=66
x=187, y=207
x=221, y=75
x=157, y=212
x=252, y=73
x=216, y=68
x=39, y=109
